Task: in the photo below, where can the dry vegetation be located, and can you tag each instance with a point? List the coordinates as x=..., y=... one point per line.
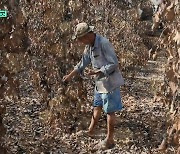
x=39, y=113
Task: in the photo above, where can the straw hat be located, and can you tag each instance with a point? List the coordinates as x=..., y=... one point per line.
x=81, y=30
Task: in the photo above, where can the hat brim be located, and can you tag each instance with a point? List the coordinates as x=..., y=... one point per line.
x=75, y=36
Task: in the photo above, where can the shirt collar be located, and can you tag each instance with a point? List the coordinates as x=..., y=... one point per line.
x=96, y=42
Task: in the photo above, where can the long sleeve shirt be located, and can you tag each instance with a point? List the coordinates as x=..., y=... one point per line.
x=102, y=57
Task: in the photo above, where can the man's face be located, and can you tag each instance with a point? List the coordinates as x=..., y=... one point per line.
x=84, y=39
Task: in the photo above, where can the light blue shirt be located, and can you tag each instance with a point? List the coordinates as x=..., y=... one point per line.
x=102, y=57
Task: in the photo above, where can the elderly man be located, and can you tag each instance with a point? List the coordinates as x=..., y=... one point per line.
x=108, y=79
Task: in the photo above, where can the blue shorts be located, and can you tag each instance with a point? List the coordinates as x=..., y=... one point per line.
x=110, y=102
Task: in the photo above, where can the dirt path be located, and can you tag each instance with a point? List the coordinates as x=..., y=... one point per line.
x=142, y=122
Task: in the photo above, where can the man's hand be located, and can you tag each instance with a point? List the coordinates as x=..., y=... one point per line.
x=68, y=77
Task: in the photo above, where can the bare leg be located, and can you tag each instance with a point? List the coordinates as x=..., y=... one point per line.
x=110, y=128
x=94, y=119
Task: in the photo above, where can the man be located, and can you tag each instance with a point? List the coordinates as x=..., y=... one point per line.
x=108, y=79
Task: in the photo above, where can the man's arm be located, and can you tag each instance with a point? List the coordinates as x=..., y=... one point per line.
x=78, y=69
x=110, y=55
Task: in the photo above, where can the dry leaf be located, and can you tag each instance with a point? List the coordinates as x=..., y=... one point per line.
x=163, y=145
x=177, y=38
x=173, y=86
